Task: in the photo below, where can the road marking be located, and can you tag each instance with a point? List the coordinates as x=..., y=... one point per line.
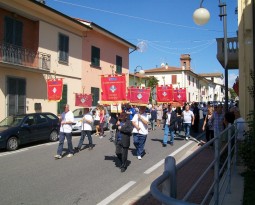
x=116, y=193
x=13, y=152
x=154, y=167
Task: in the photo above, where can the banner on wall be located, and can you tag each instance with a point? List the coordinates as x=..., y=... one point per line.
x=113, y=88
x=139, y=96
x=180, y=95
x=54, y=89
x=165, y=94
x=83, y=100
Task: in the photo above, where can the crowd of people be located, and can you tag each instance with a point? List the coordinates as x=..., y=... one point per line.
x=134, y=121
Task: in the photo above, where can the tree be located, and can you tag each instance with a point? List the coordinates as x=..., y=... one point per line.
x=232, y=93
x=152, y=83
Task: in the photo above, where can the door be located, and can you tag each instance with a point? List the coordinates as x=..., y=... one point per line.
x=28, y=131
x=16, y=96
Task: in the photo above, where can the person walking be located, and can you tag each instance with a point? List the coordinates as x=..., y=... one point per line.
x=218, y=120
x=196, y=117
x=153, y=118
x=86, y=130
x=208, y=124
x=159, y=115
x=96, y=117
x=67, y=119
x=171, y=119
x=188, y=120
x=124, y=129
x=101, y=121
x=112, y=121
x=140, y=131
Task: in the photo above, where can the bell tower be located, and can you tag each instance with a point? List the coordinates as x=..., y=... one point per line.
x=185, y=61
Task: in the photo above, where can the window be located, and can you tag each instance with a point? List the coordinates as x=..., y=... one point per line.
x=189, y=79
x=13, y=31
x=174, y=79
x=41, y=119
x=95, y=96
x=63, y=48
x=118, y=64
x=95, y=56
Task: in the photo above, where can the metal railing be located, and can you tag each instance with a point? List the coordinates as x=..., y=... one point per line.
x=17, y=55
x=224, y=153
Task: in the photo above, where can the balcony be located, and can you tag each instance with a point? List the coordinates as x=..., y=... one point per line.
x=232, y=44
x=25, y=58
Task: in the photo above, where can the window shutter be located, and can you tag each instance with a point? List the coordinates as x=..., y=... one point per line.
x=174, y=79
x=95, y=96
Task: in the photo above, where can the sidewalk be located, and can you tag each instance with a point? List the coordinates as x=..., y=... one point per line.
x=189, y=173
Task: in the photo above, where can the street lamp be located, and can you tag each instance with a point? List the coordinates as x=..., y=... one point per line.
x=138, y=69
x=201, y=16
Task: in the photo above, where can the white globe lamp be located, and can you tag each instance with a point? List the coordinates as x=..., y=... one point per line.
x=201, y=16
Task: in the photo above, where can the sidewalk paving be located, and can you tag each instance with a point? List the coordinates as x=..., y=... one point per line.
x=188, y=174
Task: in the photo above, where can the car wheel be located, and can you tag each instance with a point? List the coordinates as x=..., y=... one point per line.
x=54, y=136
x=12, y=144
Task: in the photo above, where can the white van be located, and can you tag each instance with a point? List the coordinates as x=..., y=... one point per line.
x=79, y=113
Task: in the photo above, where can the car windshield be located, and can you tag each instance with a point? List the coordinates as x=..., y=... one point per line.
x=12, y=120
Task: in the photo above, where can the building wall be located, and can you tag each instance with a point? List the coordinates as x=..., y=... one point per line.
x=91, y=76
x=246, y=55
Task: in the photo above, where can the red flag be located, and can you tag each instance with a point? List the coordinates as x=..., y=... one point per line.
x=180, y=95
x=83, y=100
x=139, y=96
x=113, y=88
x=165, y=94
x=54, y=89
x=236, y=87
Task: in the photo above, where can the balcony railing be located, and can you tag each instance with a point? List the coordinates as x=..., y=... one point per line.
x=17, y=55
x=232, y=45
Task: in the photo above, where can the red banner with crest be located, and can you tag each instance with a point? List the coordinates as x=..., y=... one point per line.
x=165, y=94
x=54, y=89
x=83, y=100
x=236, y=87
x=180, y=95
x=139, y=96
x=113, y=88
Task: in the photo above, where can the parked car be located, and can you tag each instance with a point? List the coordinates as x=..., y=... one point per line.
x=79, y=113
x=22, y=129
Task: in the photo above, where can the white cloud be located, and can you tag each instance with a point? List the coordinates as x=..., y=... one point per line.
x=232, y=78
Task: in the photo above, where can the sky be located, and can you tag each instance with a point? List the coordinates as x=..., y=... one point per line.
x=164, y=28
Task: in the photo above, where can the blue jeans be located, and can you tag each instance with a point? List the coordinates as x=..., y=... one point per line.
x=166, y=132
x=187, y=127
x=139, y=142
x=62, y=136
x=152, y=124
x=83, y=135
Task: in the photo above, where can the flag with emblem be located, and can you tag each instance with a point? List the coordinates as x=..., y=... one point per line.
x=180, y=95
x=83, y=100
x=113, y=88
x=139, y=96
x=165, y=94
x=54, y=89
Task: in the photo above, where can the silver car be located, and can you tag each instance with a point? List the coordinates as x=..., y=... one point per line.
x=79, y=113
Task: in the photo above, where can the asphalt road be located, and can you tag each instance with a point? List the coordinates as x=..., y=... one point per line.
x=31, y=175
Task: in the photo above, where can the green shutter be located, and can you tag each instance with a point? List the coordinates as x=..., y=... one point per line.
x=95, y=56
x=118, y=64
x=63, y=47
x=95, y=96
x=62, y=102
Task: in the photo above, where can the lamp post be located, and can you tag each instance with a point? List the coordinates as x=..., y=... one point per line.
x=138, y=69
x=201, y=16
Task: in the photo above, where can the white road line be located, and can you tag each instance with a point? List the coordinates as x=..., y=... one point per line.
x=116, y=193
x=13, y=152
x=154, y=167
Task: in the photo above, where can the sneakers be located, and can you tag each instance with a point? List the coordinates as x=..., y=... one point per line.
x=139, y=157
x=91, y=147
x=187, y=138
x=101, y=137
x=58, y=156
x=163, y=145
x=69, y=155
x=77, y=149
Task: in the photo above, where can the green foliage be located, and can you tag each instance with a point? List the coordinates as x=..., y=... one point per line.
x=247, y=148
x=232, y=93
x=249, y=189
x=152, y=83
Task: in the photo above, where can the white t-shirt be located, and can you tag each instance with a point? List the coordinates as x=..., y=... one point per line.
x=143, y=127
x=187, y=116
x=67, y=117
x=97, y=116
x=87, y=125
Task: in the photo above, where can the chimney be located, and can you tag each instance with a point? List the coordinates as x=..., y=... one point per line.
x=185, y=61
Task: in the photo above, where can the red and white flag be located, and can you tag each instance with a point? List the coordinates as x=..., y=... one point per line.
x=139, y=96
x=113, y=88
x=54, y=89
x=165, y=94
x=83, y=100
x=180, y=95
